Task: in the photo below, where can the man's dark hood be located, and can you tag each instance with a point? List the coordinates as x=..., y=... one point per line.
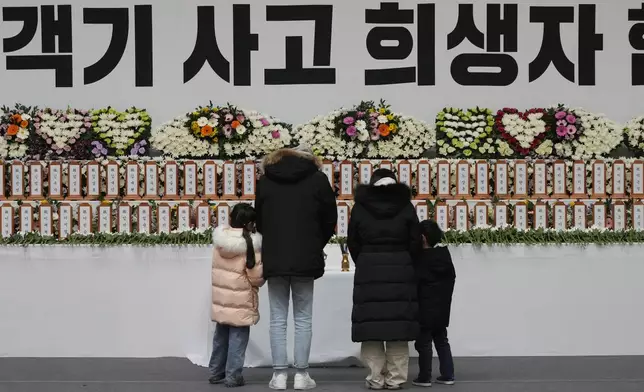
x=290, y=166
x=383, y=201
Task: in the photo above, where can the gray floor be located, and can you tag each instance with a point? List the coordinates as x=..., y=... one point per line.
x=570, y=374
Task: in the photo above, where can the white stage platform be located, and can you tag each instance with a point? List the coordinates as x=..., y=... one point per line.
x=59, y=301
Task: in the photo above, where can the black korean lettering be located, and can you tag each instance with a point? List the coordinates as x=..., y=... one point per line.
x=589, y=43
x=51, y=28
x=636, y=39
x=552, y=51
x=207, y=50
x=294, y=71
x=501, y=29
x=119, y=19
x=390, y=14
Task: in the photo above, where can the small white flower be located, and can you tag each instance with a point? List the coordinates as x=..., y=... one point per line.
x=382, y=119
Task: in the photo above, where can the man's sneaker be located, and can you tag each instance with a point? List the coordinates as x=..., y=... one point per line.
x=278, y=382
x=216, y=379
x=421, y=382
x=303, y=382
x=445, y=380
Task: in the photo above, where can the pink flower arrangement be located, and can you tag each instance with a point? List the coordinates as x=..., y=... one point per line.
x=566, y=121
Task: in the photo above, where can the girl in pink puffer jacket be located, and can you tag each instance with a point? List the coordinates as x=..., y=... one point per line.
x=237, y=274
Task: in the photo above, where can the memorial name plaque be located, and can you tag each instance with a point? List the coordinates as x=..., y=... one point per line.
x=183, y=217
x=482, y=180
x=404, y=173
x=163, y=219
x=171, y=173
x=560, y=214
x=366, y=169
x=132, y=181
x=36, y=180
x=85, y=219
x=462, y=217
x=579, y=216
x=124, y=218
x=113, y=180
x=55, y=180
x=422, y=211
x=64, y=221
x=521, y=216
x=638, y=216
x=190, y=173
x=26, y=218
x=540, y=177
x=210, y=180
x=346, y=180
x=2, y=176
x=599, y=215
x=6, y=220
x=342, y=229
x=540, y=215
x=93, y=180
x=144, y=218
x=637, y=179
x=619, y=179
x=599, y=180
x=327, y=169
x=45, y=216
x=579, y=180
x=204, y=220
x=443, y=180
x=223, y=214
x=17, y=180
x=386, y=165
x=481, y=215
x=559, y=180
x=463, y=180
x=619, y=216
x=75, y=183
x=104, y=218
x=151, y=180
x=441, y=212
x=230, y=181
x=520, y=179
x=501, y=188
x=501, y=215
x=249, y=181
x=424, y=180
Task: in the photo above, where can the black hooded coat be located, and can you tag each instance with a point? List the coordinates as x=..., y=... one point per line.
x=384, y=239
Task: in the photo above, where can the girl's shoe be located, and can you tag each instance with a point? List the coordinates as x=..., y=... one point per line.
x=216, y=379
x=445, y=380
x=237, y=382
x=393, y=387
x=278, y=382
x=421, y=382
x=303, y=382
x=373, y=387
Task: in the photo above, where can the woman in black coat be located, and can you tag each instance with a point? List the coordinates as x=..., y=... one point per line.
x=384, y=239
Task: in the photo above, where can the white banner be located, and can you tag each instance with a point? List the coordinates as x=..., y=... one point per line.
x=328, y=52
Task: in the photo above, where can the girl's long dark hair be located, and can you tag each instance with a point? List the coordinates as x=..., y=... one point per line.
x=242, y=217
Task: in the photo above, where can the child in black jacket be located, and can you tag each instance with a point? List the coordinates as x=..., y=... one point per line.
x=436, y=277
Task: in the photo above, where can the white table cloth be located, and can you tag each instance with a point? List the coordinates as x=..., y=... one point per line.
x=59, y=301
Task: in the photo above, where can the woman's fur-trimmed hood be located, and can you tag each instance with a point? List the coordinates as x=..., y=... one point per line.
x=232, y=241
x=276, y=156
x=290, y=165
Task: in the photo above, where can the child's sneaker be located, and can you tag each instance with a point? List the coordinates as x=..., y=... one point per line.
x=278, y=382
x=303, y=382
x=445, y=380
x=216, y=379
x=237, y=382
x=422, y=382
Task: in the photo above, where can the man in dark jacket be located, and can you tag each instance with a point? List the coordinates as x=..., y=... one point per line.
x=297, y=215
x=384, y=239
x=436, y=277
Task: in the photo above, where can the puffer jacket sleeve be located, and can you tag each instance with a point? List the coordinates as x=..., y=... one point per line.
x=256, y=274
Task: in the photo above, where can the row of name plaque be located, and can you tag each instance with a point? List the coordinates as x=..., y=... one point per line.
x=89, y=180
x=81, y=219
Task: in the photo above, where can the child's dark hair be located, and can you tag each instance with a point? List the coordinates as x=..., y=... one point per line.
x=241, y=217
x=432, y=233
